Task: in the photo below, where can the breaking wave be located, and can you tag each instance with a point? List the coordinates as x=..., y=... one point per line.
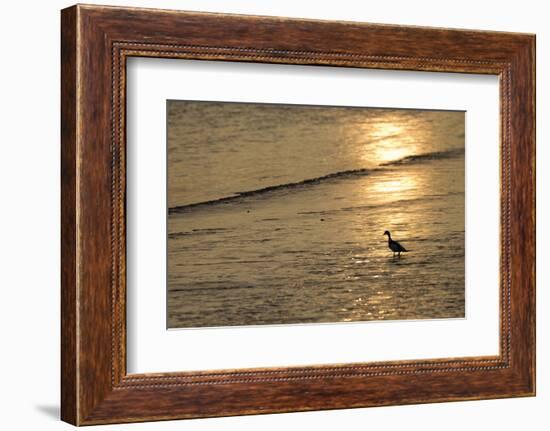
x=287, y=186
x=417, y=158
x=436, y=155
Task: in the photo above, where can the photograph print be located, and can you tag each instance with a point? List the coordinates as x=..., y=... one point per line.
x=297, y=214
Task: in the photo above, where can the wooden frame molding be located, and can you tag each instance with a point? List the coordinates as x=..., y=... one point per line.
x=95, y=43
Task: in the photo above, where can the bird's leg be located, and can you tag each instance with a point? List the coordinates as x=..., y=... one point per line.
x=399, y=255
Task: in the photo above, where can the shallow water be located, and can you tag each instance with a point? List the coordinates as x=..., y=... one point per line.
x=313, y=251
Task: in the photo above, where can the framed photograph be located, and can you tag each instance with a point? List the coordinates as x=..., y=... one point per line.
x=264, y=215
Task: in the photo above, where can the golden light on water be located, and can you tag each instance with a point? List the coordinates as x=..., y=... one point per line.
x=392, y=139
x=398, y=187
x=303, y=249
x=384, y=155
x=387, y=128
x=389, y=186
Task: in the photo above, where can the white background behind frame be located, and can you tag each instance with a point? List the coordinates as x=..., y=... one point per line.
x=153, y=348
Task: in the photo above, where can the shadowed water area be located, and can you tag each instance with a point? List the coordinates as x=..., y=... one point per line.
x=276, y=214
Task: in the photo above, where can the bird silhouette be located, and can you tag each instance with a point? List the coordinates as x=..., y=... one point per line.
x=394, y=246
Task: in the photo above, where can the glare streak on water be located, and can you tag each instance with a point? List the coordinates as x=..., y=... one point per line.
x=313, y=253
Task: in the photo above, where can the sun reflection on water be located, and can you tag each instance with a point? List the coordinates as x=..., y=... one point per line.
x=398, y=136
x=406, y=185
